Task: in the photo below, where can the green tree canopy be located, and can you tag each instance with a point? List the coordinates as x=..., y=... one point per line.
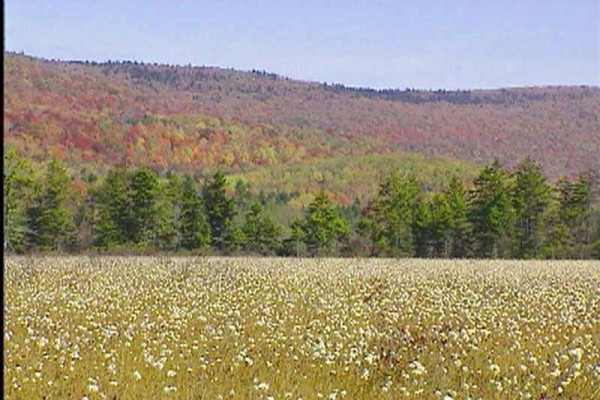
x=194, y=230
x=48, y=216
x=260, y=232
x=219, y=209
x=574, y=216
x=17, y=187
x=530, y=199
x=167, y=213
x=440, y=225
x=456, y=200
x=491, y=212
x=389, y=219
x=144, y=189
x=114, y=212
x=294, y=245
x=324, y=229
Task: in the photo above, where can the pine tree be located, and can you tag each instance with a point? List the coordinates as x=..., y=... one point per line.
x=579, y=209
x=167, y=213
x=324, y=229
x=48, y=216
x=491, y=213
x=575, y=212
x=83, y=220
x=143, y=188
x=421, y=228
x=251, y=229
x=194, y=230
x=241, y=195
x=294, y=244
x=114, y=222
x=260, y=233
x=17, y=186
x=270, y=242
x=219, y=209
x=557, y=239
x=440, y=226
x=389, y=220
x=455, y=197
x=232, y=237
x=530, y=199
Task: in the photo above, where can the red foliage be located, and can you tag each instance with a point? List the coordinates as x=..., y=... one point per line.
x=184, y=117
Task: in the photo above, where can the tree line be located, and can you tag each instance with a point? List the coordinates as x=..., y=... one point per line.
x=501, y=214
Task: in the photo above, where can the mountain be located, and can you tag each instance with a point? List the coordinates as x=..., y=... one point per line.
x=198, y=118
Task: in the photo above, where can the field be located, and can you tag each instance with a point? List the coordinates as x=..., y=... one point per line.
x=218, y=328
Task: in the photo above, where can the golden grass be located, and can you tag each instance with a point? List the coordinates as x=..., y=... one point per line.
x=194, y=328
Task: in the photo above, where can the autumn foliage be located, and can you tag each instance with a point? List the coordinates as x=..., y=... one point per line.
x=188, y=118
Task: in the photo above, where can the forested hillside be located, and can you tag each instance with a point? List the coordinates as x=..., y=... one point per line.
x=139, y=157
x=187, y=118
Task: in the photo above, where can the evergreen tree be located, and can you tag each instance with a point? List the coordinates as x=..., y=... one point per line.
x=557, y=240
x=389, y=220
x=252, y=229
x=83, y=221
x=518, y=215
x=294, y=244
x=143, y=188
x=241, y=195
x=421, y=228
x=491, y=213
x=595, y=249
x=113, y=225
x=219, y=209
x=167, y=213
x=324, y=229
x=352, y=213
x=260, y=233
x=194, y=230
x=17, y=186
x=48, y=216
x=270, y=241
x=232, y=237
x=530, y=199
x=455, y=197
x=440, y=226
x=357, y=245
x=579, y=209
x=595, y=237
x=575, y=212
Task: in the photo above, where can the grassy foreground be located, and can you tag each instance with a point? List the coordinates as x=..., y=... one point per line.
x=196, y=328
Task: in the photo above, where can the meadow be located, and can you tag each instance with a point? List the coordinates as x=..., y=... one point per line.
x=268, y=328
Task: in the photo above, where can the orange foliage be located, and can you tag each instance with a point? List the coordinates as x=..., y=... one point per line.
x=189, y=117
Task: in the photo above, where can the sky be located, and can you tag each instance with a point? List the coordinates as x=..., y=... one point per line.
x=423, y=44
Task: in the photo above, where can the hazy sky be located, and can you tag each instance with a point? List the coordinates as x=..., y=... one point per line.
x=422, y=43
